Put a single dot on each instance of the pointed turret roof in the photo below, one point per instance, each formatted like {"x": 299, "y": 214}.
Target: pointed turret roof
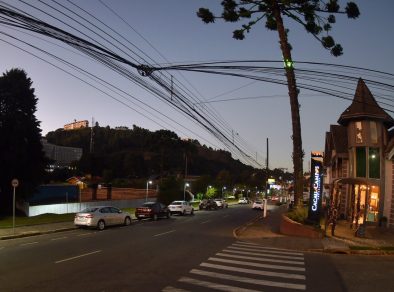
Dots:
{"x": 364, "y": 106}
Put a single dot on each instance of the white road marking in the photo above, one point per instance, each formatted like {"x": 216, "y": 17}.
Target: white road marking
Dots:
{"x": 215, "y": 286}
{"x": 257, "y": 265}
{"x": 241, "y": 244}
{"x": 29, "y": 243}
{"x": 164, "y": 233}
{"x": 267, "y": 251}
{"x": 254, "y": 272}
{"x": 76, "y": 257}
{"x": 172, "y": 289}
{"x": 85, "y": 234}
{"x": 248, "y": 280}
{"x": 259, "y": 259}
{"x": 59, "y": 238}
{"x": 264, "y": 254}
{"x": 205, "y": 222}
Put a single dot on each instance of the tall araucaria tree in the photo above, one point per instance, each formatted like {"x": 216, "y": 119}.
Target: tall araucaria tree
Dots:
{"x": 316, "y": 16}
{"x": 21, "y": 153}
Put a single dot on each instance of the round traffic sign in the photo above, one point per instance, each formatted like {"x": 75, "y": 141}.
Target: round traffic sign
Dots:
{"x": 15, "y": 183}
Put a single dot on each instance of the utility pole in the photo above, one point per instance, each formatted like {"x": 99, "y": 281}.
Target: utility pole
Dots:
{"x": 267, "y": 161}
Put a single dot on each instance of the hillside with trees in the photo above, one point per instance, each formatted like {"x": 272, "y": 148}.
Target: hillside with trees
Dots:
{"x": 129, "y": 157}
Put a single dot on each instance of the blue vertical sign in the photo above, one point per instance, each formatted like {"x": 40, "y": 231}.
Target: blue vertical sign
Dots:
{"x": 315, "y": 195}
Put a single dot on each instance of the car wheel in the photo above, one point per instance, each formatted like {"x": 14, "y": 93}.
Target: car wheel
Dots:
{"x": 183, "y": 213}
{"x": 139, "y": 218}
{"x": 101, "y": 225}
{"x": 168, "y": 215}
{"x": 154, "y": 217}
{"x": 192, "y": 212}
{"x": 127, "y": 221}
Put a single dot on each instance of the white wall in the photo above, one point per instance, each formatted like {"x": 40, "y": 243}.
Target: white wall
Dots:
{"x": 76, "y": 207}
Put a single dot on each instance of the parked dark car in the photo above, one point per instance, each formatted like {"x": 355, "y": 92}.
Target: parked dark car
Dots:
{"x": 208, "y": 204}
{"x": 152, "y": 210}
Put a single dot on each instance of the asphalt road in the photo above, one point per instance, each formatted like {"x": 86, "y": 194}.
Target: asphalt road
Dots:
{"x": 184, "y": 253}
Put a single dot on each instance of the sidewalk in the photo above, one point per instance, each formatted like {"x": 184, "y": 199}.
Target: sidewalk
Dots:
{"x": 265, "y": 231}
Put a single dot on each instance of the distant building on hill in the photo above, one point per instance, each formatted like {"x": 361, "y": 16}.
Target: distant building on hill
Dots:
{"x": 62, "y": 156}
{"x": 76, "y": 125}
{"x": 121, "y": 128}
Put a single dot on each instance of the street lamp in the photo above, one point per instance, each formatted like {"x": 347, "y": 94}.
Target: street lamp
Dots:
{"x": 149, "y": 182}
{"x": 223, "y": 188}
{"x": 208, "y": 187}
{"x": 184, "y": 191}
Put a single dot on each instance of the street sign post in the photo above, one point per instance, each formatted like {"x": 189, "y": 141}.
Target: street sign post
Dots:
{"x": 15, "y": 184}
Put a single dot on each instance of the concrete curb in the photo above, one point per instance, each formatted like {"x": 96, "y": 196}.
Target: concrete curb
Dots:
{"x": 237, "y": 231}
{"x": 35, "y": 233}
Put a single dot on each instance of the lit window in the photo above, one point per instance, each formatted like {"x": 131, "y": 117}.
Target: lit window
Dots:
{"x": 359, "y": 132}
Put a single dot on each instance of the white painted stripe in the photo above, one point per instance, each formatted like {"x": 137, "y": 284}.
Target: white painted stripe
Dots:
{"x": 173, "y": 289}
{"x": 85, "y": 234}
{"x": 76, "y": 257}
{"x": 264, "y": 247}
{"x": 59, "y": 238}
{"x": 267, "y": 251}
{"x": 261, "y": 254}
{"x": 164, "y": 233}
{"x": 205, "y": 222}
{"x": 257, "y": 265}
{"x": 258, "y": 259}
{"x": 248, "y": 243}
{"x": 254, "y": 272}
{"x": 249, "y": 280}
{"x": 215, "y": 286}
{"x": 29, "y": 243}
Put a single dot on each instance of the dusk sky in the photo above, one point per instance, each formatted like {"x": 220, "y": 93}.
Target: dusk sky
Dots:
{"x": 168, "y": 31}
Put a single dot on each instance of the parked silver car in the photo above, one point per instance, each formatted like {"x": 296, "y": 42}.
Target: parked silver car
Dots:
{"x": 101, "y": 216}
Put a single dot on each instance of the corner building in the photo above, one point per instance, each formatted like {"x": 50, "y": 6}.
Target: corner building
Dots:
{"x": 359, "y": 162}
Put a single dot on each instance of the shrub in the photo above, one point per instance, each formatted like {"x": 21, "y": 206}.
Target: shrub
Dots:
{"x": 299, "y": 214}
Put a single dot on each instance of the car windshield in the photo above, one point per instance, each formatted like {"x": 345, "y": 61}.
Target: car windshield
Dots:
{"x": 148, "y": 204}
{"x": 259, "y": 202}
{"x": 88, "y": 210}
{"x": 176, "y": 203}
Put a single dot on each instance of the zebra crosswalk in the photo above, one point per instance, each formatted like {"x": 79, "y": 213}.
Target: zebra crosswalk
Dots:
{"x": 246, "y": 267}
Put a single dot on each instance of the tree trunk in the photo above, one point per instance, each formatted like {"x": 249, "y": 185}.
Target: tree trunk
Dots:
{"x": 294, "y": 105}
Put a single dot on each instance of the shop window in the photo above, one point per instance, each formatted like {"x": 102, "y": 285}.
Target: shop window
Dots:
{"x": 373, "y": 207}
{"x": 373, "y": 132}
{"x": 361, "y": 162}
{"x": 359, "y": 132}
{"x": 374, "y": 163}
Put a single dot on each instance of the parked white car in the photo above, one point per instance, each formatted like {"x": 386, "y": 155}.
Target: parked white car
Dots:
{"x": 181, "y": 208}
{"x": 243, "y": 201}
{"x": 221, "y": 203}
{"x": 258, "y": 205}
